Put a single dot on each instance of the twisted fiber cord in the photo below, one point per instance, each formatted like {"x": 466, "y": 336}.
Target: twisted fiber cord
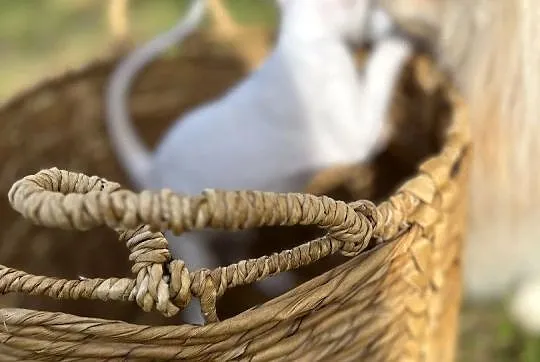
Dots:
{"x": 21, "y": 321}
{"x": 57, "y": 344}
{"x": 163, "y": 345}
{"x": 56, "y": 198}
{"x": 188, "y": 341}
{"x": 390, "y": 215}
{"x": 167, "y": 285}
{"x": 276, "y": 311}
{"x": 403, "y": 206}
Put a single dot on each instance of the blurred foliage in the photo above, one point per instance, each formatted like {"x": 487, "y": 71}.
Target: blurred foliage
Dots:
{"x": 488, "y": 335}
{"x": 42, "y": 37}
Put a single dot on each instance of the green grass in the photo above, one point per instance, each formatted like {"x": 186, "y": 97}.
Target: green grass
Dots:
{"x": 41, "y": 37}
{"x": 487, "y": 334}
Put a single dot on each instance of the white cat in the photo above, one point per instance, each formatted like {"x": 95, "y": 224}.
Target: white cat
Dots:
{"x": 303, "y": 110}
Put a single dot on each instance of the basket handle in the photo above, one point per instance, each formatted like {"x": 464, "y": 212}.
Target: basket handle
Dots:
{"x": 118, "y": 20}
{"x": 74, "y": 201}
{"x": 224, "y": 25}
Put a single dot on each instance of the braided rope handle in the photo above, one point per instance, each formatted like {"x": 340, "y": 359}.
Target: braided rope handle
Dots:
{"x": 74, "y": 201}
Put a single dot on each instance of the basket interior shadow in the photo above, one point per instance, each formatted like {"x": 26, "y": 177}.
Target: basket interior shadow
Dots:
{"x": 59, "y": 123}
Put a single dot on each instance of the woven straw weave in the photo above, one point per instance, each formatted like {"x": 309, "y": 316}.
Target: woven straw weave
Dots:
{"x": 395, "y": 297}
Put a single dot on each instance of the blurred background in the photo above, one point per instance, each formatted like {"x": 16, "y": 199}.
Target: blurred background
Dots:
{"x": 40, "y": 39}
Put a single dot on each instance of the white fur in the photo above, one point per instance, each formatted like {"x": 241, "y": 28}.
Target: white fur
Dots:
{"x": 303, "y": 110}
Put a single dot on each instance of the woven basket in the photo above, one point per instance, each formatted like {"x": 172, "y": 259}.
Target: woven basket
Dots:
{"x": 395, "y": 295}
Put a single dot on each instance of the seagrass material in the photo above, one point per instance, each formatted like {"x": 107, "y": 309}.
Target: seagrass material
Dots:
{"x": 393, "y": 296}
